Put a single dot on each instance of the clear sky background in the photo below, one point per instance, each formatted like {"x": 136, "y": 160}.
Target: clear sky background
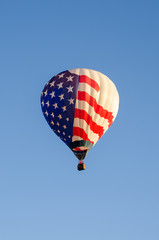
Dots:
{"x": 42, "y": 195}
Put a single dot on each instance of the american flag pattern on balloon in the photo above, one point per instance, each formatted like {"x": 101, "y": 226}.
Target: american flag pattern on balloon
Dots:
{"x": 80, "y": 105}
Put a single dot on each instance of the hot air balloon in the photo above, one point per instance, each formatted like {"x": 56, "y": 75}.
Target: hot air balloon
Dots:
{"x": 79, "y": 106}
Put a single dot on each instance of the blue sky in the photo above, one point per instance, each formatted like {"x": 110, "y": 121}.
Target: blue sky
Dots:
{"x": 42, "y": 195}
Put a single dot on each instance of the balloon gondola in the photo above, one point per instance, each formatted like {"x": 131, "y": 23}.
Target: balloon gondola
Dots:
{"x": 79, "y": 106}
{"x": 81, "y": 166}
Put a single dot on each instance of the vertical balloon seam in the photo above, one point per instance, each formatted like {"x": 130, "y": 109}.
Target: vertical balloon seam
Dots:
{"x": 107, "y": 80}
{"x": 96, "y": 116}
{"x": 77, "y": 102}
{"x": 87, "y": 73}
{"x": 111, "y": 110}
{"x": 94, "y": 94}
{"x": 109, "y": 106}
{"x": 104, "y": 82}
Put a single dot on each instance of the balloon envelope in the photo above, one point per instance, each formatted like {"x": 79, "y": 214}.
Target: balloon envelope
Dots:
{"x": 80, "y": 105}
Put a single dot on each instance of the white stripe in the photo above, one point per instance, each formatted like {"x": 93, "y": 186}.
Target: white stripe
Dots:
{"x": 81, "y": 123}
{"x": 76, "y": 138}
{"x": 86, "y": 107}
{"x": 84, "y": 87}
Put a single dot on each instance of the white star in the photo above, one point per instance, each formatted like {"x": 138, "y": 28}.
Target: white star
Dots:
{"x": 64, "y": 108}
{"x": 52, "y": 84}
{"x": 60, "y": 85}
{"x": 52, "y": 115}
{"x": 58, "y": 131}
{"x": 69, "y": 136}
{"x": 67, "y": 119}
{"x": 70, "y": 78}
{"x": 71, "y": 100}
{"x": 59, "y": 116}
{"x": 61, "y": 96}
{"x": 46, "y": 113}
{"x": 52, "y": 94}
{"x": 58, "y": 124}
{"x": 55, "y": 105}
{"x": 61, "y": 75}
{"x": 52, "y": 123}
{"x": 64, "y": 139}
{"x": 45, "y": 92}
{"x": 42, "y": 103}
{"x": 64, "y": 133}
{"x": 64, "y": 126}
{"x": 47, "y": 103}
{"x": 42, "y": 94}
{"x": 70, "y": 89}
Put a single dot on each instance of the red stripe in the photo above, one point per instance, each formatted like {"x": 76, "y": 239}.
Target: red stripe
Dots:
{"x": 85, "y": 116}
{"x": 79, "y": 149}
{"x": 83, "y": 96}
{"x": 81, "y": 133}
{"x": 89, "y": 81}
